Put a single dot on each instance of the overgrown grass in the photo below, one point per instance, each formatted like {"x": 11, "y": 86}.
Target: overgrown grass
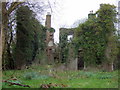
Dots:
{"x": 38, "y": 75}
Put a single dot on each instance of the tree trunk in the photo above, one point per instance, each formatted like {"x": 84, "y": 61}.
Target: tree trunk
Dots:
{"x": 4, "y": 31}
{"x": 0, "y": 46}
{"x": 10, "y": 62}
{"x": 111, "y": 51}
{"x": 0, "y": 57}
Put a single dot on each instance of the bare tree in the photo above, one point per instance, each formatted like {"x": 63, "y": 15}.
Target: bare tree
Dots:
{"x": 7, "y": 9}
{"x": 77, "y": 22}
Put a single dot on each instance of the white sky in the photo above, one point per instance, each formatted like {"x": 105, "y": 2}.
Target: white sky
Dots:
{"x": 69, "y": 11}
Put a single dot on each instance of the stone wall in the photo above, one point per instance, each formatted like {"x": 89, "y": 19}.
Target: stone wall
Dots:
{"x": 73, "y": 65}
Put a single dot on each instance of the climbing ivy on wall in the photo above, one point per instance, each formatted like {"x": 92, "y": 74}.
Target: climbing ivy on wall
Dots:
{"x": 66, "y": 48}
{"x": 94, "y": 36}
{"x": 90, "y": 39}
{"x": 63, "y": 47}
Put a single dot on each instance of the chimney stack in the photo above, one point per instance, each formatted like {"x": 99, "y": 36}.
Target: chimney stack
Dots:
{"x": 48, "y": 20}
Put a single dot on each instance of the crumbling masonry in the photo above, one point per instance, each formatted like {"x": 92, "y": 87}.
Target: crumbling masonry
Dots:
{"x": 49, "y": 40}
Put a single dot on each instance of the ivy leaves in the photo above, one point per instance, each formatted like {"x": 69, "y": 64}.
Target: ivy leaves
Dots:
{"x": 92, "y": 36}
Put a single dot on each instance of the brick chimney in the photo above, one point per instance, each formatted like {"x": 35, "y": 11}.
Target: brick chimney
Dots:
{"x": 49, "y": 40}
{"x": 48, "y": 20}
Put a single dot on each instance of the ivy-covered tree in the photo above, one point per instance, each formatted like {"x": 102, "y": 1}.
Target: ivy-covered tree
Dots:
{"x": 30, "y": 37}
{"x": 39, "y": 40}
{"x": 24, "y": 34}
{"x": 107, "y": 19}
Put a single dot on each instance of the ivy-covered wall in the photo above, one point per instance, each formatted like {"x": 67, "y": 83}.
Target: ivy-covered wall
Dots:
{"x": 66, "y": 50}
{"x": 97, "y": 38}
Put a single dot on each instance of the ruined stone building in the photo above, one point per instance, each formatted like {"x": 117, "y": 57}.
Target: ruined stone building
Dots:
{"x": 75, "y": 62}
{"x": 49, "y": 39}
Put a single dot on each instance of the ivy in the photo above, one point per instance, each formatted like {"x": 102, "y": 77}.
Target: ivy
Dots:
{"x": 30, "y": 37}
{"x": 51, "y": 29}
{"x": 94, "y": 35}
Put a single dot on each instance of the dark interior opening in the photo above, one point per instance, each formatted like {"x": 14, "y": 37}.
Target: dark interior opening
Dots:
{"x": 80, "y": 63}
{"x": 80, "y": 60}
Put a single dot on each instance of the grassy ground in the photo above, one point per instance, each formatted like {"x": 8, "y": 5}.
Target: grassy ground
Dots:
{"x": 38, "y": 75}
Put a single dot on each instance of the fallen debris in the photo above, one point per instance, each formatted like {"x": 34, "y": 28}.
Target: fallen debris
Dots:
{"x": 51, "y": 85}
{"x": 11, "y": 83}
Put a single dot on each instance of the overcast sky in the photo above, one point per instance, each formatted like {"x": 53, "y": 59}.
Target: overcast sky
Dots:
{"x": 69, "y": 11}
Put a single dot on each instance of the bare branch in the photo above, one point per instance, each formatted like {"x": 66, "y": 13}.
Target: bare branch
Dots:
{"x": 14, "y": 6}
{"x": 15, "y": 83}
{"x": 50, "y": 6}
